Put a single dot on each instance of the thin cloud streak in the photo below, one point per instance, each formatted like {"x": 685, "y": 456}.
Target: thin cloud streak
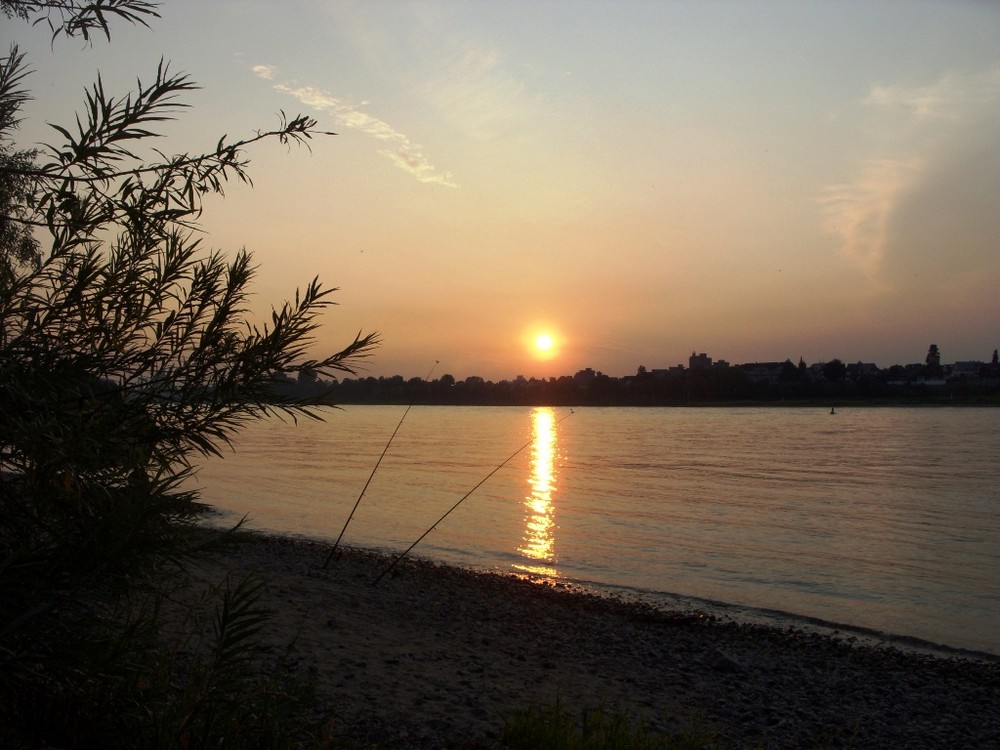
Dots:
{"x": 405, "y": 154}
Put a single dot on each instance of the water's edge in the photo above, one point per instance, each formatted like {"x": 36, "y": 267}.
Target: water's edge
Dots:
{"x": 874, "y": 518}
{"x": 666, "y": 601}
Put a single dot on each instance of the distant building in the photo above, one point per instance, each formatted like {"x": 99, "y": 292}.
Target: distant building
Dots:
{"x": 967, "y": 370}
{"x": 699, "y": 361}
{"x": 862, "y": 369}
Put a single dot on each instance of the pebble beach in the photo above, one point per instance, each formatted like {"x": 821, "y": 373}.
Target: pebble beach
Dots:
{"x": 437, "y": 657}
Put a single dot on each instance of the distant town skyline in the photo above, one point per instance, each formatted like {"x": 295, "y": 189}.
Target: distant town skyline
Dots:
{"x": 763, "y": 179}
{"x": 704, "y": 359}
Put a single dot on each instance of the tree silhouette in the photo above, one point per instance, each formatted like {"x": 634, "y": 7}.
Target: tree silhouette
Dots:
{"x": 834, "y": 371}
{"x": 932, "y": 366}
{"x": 126, "y": 352}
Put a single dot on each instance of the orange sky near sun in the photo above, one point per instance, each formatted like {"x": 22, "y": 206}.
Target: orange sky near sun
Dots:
{"x": 755, "y": 180}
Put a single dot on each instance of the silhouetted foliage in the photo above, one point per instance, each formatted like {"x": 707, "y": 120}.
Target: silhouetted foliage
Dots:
{"x": 18, "y": 245}
{"x": 932, "y": 363}
{"x": 126, "y": 352}
{"x": 701, "y": 386}
{"x": 834, "y": 371}
{"x": 790, "y": 373}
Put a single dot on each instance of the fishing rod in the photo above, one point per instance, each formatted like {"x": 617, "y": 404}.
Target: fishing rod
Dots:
{"x": 461, "y": 500}
{"x": 374, "y": 469}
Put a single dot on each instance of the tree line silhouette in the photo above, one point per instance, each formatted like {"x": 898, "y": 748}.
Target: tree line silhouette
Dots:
{"x": 785, "y": 382}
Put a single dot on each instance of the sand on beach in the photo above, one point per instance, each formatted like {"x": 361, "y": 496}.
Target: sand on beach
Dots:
{"x": 435, "y": 656}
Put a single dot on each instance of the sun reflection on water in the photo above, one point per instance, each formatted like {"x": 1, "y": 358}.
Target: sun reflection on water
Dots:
{"x": 538, "y": 542}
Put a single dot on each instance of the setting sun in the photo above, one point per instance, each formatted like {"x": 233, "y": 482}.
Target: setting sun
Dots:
{"x": 543, "y": 342}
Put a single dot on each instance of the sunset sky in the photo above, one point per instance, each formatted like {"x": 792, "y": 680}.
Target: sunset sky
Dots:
{"x": 754, "y": 180}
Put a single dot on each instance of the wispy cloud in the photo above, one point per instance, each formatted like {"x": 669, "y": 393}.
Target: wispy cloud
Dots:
{"x": 472, "y": 88}
{"x": 402, "y": 151}
{"x": 264, "y": 71}
{"x": 860, "y": 211}
{"x": 922, "y": 102}
{"x": 951, "y": 97}
{"x": 918, "y": 128}
{"x": 471, "y": 77}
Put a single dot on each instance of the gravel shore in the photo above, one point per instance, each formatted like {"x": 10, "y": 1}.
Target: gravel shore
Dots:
{"x": 435, "y": 657}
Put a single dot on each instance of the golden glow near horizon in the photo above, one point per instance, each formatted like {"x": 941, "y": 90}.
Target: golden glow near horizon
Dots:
{"x": 710, "y": 177}
{"x": 543, "y": 343}
{"x": 538, "y": 544}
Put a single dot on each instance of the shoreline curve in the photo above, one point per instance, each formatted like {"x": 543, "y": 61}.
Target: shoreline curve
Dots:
{"x": 437, "y": 656}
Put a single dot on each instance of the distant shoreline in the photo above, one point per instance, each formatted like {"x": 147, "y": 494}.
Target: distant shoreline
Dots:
{"x": 817, "y": 404}
{"x": 439, "y": 654}
{"x": 768, "y": 384}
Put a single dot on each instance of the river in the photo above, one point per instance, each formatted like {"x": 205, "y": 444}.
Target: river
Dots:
{"x": 885, "y": 519}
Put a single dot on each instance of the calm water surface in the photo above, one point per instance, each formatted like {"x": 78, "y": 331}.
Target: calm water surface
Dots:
{"x": 887, "y": 519}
